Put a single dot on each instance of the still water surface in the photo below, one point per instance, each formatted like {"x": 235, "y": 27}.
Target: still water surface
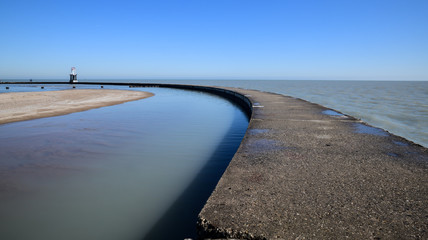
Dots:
{"x": 128, "y": 171}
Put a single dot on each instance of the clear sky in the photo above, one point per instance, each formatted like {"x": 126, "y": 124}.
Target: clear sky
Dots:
{"x": 215, "y": 39}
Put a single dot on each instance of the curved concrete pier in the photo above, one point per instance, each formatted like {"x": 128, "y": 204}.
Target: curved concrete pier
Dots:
{"x": 306, "y": 172}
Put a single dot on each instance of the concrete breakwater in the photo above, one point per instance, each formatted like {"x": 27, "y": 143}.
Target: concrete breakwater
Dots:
{"x": 304, "y": 171}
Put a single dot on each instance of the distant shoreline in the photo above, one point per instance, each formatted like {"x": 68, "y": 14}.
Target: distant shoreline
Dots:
{"x": 20, "y": 106}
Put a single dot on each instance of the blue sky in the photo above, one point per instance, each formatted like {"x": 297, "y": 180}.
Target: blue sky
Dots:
{"x": 215, "y": 39}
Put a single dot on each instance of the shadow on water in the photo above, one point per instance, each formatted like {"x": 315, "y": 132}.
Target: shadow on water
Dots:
{"x": 179, "y": 221}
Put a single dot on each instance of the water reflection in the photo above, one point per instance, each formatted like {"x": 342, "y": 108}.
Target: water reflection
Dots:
{"x": 114, "y": 172}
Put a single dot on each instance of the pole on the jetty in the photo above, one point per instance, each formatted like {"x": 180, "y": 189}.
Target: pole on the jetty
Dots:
{"x": 73, "y": 75}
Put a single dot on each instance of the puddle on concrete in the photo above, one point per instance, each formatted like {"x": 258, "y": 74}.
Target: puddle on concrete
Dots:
{"x": 257, "y": 131}
{"x": 361, "y": 128}
{"x": 400, "y": 143}
{"x": 263, "y": 145}
{"x": 332, "y": 113}
{"x": 392, "y": 154}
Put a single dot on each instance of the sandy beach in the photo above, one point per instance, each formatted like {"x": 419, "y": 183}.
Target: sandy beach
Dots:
{"x": 21, "y": 106}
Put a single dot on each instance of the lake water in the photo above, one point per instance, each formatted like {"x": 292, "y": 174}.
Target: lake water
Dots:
{"x": 138, "y": 170}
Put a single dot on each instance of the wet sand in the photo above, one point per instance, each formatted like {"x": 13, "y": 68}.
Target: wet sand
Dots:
{"x": 20, "y": 106}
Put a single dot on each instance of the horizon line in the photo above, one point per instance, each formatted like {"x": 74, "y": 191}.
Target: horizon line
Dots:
{"x": 210, "y": 79}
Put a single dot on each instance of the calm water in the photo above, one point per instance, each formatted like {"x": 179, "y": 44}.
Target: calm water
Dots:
{"x": 398, "y": 107}
{"x": 122, "y": 172}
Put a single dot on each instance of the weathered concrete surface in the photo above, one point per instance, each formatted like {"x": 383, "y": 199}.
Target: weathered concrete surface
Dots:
{"x": 302, "y": 174}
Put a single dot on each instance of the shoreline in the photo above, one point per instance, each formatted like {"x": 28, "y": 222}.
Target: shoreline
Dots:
{"x": 21, "y": 106}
